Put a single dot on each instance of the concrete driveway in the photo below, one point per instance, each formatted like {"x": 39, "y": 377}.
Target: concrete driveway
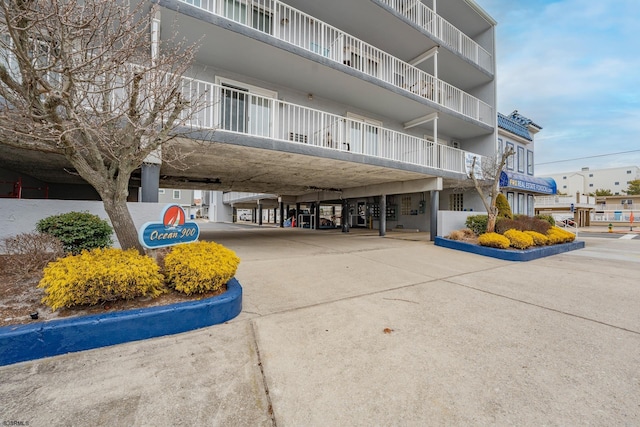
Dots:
{"x": 357, "y": 330}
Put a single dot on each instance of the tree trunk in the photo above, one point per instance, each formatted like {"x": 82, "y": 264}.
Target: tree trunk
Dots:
{"x": 122, "y": 222}
{"x": 491, "y": 222}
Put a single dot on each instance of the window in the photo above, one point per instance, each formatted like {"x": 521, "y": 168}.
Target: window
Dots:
{"x": 616, "y": 183}
{"x": 564, "y": 177}
{"x": 405, "y": 207}
{"x": 590, "y": 185}
{"x": 522, "y": 208}
{"x": 530, "y": 205}
{"x": 530, "y": 162}
{"x": 628, "y": 172}
{"x": 521, "y": 159}
{"x": 161, "y": 191}
{"x": 456, "y": 202}
{"x": 510, "y": 199}
{"x": 500, "y": 146}
{"x": 590, "y": 175}
{"x": 564, "y": 186}
{"x": 510, "y": 159}
{"x": 176, "y": 194}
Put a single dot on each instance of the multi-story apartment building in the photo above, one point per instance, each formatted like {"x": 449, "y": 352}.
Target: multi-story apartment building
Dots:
{"x": 587, "y": 181}
{"x": 372, "y": 106}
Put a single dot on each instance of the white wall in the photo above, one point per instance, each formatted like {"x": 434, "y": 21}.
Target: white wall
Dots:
{"x": 21, "y": 215}
{"x": 449, "y": 221}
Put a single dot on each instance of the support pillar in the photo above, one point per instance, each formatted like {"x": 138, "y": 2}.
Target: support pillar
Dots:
{"x": 259, "y": 213}
{"x": 150, "y": 182}
{"x": 435, "y": 207}
{"x": 317, "y": 216}
{"x": 281, "y": 214}
{"x": 297, "y": 213}
{"x": 345, "y": 216}
{"x": 383, "y": 215}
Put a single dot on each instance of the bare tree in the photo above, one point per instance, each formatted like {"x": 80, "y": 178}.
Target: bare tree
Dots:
{"x": 84, "y": 79}
{"x": 488, "y": 185}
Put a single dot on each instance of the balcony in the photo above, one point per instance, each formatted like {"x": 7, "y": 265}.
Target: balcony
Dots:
{"x": 292, "y": 26}
{"x": 230, "y": 110}
{"x": 423, "y": 17}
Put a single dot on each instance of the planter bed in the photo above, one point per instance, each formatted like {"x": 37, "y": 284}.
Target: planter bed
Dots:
{"x": 509, "y": 254}
{"x": 27, "y": 342}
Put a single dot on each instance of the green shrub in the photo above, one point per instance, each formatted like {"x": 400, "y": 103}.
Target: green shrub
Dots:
{"x": 502, "y": 204}
{"x": 548, "y": 218}
{"x": 494, "y": 240}
{"x": 519, "y": 239}
{"x": 199, "y": 267}
{"x": 477, "y": 223}
{"x": 538, "y": 239}
{"x": 77, "y": 231}
{"x": 100, "y": 275}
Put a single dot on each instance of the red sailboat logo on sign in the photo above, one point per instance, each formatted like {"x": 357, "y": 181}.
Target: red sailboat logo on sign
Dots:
{"x": 173, "y": 217}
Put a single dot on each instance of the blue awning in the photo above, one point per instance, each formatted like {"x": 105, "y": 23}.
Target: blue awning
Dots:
{"x": 527, "y": 183}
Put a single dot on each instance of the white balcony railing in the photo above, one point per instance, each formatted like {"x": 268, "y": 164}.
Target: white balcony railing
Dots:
{"x": 293, "y": 26}
{"x": 425, "y": 18}
{"x": 232, "y": 110}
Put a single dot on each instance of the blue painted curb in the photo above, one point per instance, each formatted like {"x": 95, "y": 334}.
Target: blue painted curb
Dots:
{"x": 27, "y": 342}
{"x": 509, "y": 254}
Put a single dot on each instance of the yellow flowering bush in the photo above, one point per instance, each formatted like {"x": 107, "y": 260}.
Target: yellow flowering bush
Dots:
{"x": 557, "y": 235}
{"x": 494, "y": 240}
{"x": 519, "y": 239}
{"x": 539, "y": 239}
{"x": 100, "y": 275}
{"x": 199, "y": 267}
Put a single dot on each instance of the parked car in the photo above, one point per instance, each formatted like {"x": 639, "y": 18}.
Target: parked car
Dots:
{"x": 567, "y": 222}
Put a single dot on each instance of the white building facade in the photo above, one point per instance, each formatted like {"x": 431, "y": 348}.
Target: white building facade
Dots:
{"x": 365, "y": 110}
{"x": 586, "y": 181}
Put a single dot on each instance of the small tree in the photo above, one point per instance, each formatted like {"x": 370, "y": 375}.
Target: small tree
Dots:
{"x": 634, "y": 187}
{"x": 489, "y": 182}
{"x": 83, "y": 78}
{"x": 603, "y": 192}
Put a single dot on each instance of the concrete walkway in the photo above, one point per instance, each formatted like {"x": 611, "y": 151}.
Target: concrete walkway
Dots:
{"x": 357, "y": 330}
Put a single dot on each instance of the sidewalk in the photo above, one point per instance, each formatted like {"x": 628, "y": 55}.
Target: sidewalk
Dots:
{"x": 352, "y": 329}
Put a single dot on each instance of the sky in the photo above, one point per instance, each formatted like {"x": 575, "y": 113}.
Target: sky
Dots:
{"x": 573, "y": 67}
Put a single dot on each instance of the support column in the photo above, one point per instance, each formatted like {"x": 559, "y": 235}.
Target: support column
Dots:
{"x": 345, "y": 216}
{"x": 435, "y": 207}
{"x": 281, "y": 214}
{"x": 297, "y": 213}
{"x": 150, "y": 182}
{"x": 317, "y": 215}
{"x": 383, "y": 215}
{"x": 259, "y": 213}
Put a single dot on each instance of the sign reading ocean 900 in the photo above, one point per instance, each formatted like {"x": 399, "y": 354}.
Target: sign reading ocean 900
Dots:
{"x": 173, "y": 229}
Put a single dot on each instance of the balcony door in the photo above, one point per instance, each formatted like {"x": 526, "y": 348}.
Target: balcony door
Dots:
{"x": 260, "y": 16}
{"x": 363, "y": 134}
{"x": 246, "y": 109}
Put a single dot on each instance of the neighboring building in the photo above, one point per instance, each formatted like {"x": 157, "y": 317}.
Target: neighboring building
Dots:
{"x": 617, "y": 210}
{"x": 182, "y": 197}
{"x": 312, "y": 103}
{"x": 518, "y": 181}
{"x": 587, "y": 181}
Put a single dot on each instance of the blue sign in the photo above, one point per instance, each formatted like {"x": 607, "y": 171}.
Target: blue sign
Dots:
{"x": 527, "y": 183}
{"x": 173, "y": 229}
